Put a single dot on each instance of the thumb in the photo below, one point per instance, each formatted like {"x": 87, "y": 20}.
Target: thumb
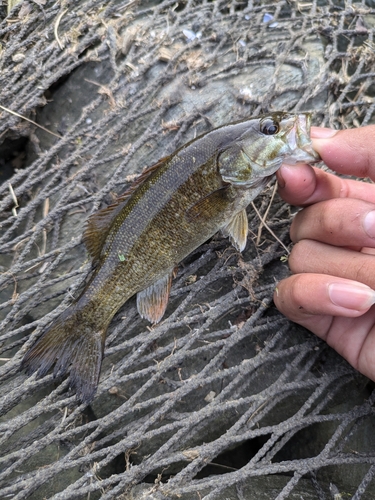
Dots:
{"x": 348, "y": 151}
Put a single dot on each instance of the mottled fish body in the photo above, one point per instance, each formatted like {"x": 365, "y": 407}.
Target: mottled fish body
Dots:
{"x": 175, "y": 206}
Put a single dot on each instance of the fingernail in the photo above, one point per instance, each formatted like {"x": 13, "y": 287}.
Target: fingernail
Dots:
{"x": 284, "y": 173}
{"x": 355, "y": 296}
{"x": 369, "y": 224}
{"x": 322, "y": 132}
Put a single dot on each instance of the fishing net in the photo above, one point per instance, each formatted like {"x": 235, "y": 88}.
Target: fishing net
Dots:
{"x": 224, "y": 398}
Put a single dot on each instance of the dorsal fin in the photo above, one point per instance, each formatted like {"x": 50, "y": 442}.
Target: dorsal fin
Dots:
{"x": 99, "y": 224}
{"x": 144, "y": 175}
{"x": 97, "y": 228}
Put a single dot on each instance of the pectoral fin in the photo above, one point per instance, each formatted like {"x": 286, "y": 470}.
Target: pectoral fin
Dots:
{"x": 237, "y": 230}
{"x": 210, "y": 205}
{"x": 152, "y": 301}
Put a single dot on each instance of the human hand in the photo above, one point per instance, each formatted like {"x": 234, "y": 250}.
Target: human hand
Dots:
{"x": 331, "y": 292}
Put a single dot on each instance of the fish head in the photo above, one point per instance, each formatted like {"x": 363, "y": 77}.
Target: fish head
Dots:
{"x": 269, "y": 141}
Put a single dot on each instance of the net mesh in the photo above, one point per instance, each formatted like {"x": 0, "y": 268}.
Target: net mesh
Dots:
{"x": 225, "y": 398}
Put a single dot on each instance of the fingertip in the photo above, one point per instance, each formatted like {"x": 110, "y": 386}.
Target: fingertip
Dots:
{"x": 296, "y": 183}
{"x": 321, "y": 294}
{"x": 312, "y": 300}
{"x": 326, "y": 149}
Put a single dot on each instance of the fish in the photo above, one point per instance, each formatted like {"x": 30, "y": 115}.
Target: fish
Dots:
{"x": 174, "y": 206}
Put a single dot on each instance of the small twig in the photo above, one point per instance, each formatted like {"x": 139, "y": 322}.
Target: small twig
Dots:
{"x": 44, "y": 246}
{"x": 104, "y": 90}
{"x": 258, "y": 410}
{"x": 268, "y": 228}
{"x": 31, "y": 121}
{"x": 265, "y": 215}
{"x": 15, "y": 201}
{"x": 11, "y": 4}
{"x": 226, "y": 467}
{"x": 45, "y": 213}
{"x": 65, "y": 414}
{"x": 56, "y": 27}
{"x": 15, "y": 295}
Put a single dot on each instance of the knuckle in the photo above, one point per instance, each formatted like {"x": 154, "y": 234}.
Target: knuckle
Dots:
{"x": 330, "y": 217}
{"x": 297, "y": 291}
{"x": 297, "y": 258}
{"x": 362, "y": 151}
{"x": 364, "y": 270}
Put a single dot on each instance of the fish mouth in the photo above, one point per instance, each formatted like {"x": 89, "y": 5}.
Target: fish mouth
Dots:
{"x": 259, "y": 182}
{"x": 299, "y": 141}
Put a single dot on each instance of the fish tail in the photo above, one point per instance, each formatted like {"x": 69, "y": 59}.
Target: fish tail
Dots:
{"x": 72, "y": 347}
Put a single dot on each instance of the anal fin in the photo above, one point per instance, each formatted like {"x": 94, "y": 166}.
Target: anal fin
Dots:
{"x": 237, "y": 230}
{"x": 152, "y": 301}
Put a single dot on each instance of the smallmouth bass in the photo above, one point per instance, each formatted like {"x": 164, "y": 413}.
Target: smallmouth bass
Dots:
{"x": 174, "y": 206}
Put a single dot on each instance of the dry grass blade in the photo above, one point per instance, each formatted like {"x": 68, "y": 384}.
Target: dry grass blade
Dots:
{"x": 30, "y": 121}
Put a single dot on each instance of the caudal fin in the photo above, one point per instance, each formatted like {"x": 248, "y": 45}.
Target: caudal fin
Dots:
{"x": 72, "y": 347}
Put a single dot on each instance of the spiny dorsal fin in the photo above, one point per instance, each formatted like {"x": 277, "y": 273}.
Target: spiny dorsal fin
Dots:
{"x": 152, "y": 301}
{"x": 144, "y": 175}
{"x": 97, "y": 229}
{"x": 237, "y": 230}
{"x": 99, "y": 224}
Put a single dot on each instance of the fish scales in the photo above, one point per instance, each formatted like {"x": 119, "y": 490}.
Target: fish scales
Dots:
{"x": 152, "y": 233}
{"x": 181, "y": 202}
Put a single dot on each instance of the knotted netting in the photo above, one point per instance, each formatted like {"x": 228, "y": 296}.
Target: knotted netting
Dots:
{"x": 224, "y": 398}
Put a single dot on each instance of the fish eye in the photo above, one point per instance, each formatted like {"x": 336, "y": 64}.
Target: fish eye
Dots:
{"x": 269, "y": 127}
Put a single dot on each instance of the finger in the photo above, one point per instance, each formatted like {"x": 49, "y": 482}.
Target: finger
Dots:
{"x": 309, "y": 256}
{"x": 338, "y": 221}
{"x": 354, "y": 339}
{"x": 309, "y": 300}
{"x": 312, "y": 300}
{"x": 303, "y": 185}
{"x": 347, "y": 151}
